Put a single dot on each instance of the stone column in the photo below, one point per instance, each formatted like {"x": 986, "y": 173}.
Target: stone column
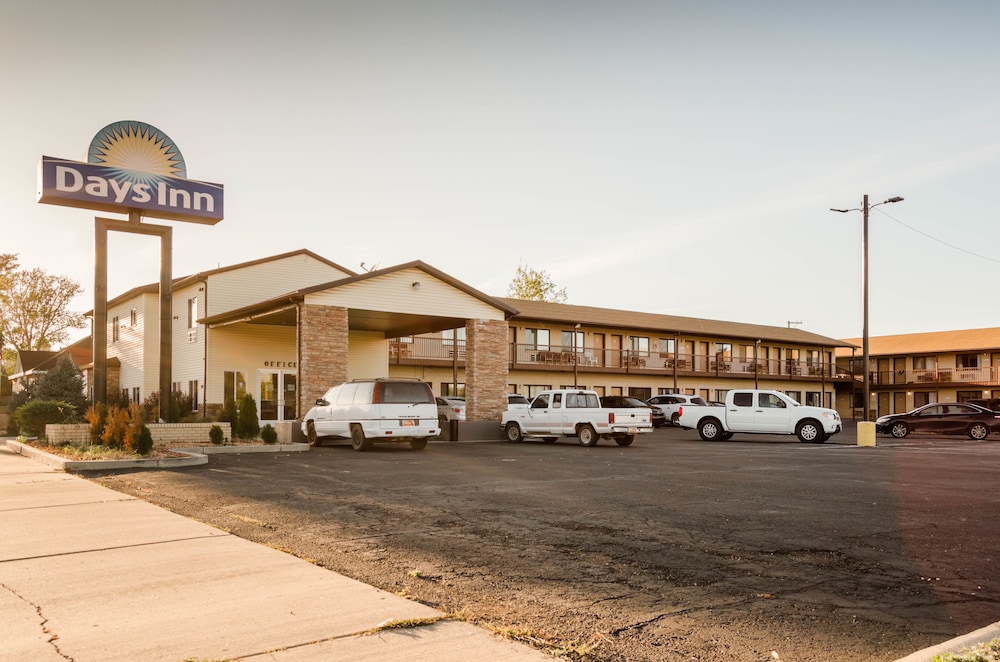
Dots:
{"x": 323, "y": 345}
{"x": 486, "y": 363}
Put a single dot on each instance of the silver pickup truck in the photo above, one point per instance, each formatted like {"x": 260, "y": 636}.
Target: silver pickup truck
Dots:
{"x": 575, "y": 413}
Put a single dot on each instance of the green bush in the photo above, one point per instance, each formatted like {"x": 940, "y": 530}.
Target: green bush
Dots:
{"x": 144, "y": 442}
{"x": 63, "y": 383}
{"x": 269, "y": 434}
{"x": 215, "y": 435}
{"x": 247, "y": 425}
{"x": 33, "y": 416}
{"x": 228, "y": 413}
{"x": 181, "y": 407}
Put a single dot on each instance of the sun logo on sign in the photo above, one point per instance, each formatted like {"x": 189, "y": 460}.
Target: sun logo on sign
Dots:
{"x": 136, "y": 152}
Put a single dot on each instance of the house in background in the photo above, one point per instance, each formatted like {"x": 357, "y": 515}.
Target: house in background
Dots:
{"x": 30, "y": 365}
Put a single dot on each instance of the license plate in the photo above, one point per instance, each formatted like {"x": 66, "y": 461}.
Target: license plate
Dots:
{"x": 407, "y": 422}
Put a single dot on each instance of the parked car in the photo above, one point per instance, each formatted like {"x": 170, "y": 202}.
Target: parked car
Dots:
{"x": 659, "y": 418}
{"x": 671, "y": 403}
{"x": 450, "y": 409}
{"x": 942, "y": 418}
{"x": 374, "y": 410}
{"x": 517, "y": 401}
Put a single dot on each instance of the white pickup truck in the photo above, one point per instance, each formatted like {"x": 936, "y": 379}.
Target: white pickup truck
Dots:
{"x": 760, "y": 412}
{"x": 575, "y": 413}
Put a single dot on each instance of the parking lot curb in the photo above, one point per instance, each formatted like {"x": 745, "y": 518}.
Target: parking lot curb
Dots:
{"x": 956, "y": 645}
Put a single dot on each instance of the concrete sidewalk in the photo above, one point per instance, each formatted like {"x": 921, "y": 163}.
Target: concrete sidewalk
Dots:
{"x": 87, "y": 573}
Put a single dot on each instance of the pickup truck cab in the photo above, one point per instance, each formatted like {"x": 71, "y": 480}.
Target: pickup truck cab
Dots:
{"x": 575, "y": 413}
{"x": 760, "y": 412}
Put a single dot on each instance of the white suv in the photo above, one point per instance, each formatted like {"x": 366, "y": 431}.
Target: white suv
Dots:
{"x": 671, "y": 403}
{"x": 374, "y": 410}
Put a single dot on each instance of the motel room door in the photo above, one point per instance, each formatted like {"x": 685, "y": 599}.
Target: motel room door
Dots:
{"x": 277, "y": 395}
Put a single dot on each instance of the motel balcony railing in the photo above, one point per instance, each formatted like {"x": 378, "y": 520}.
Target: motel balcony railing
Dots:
{"x": 980, "y": 376}
{"x": 438, "y": 352}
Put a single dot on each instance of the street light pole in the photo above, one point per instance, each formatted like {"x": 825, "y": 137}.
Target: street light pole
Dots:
{"x": 864, "y": 209}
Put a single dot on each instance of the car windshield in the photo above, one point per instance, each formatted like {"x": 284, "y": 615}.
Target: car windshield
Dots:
{"x": 699, "y": 401}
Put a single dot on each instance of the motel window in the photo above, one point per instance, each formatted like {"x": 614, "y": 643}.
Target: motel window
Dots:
{"x": 813, "y": 399}
{"x": 812, "y": 356}
{"x": 449, "y": 390}
{"x": 924, "y": 362}
{"x": 642, "y": 392}
{"x": 193, "y": 393}
{"x": 567, "y": 340}
{"x": 639, "y": 344}
{"x": 537, "y": 338}
{"x": 920, "y": 398}
{"x": 967, "y": 360}
{"x": 135, "y": 394}
{"x": 192, "y": 313}
{"x": 234, "y": 385}
{"x": 133, "y": 317}
{"x": 666, "y": 347}
{"x": 114, "y": 329}
{"x": 599, "y": 390}
{"x": 724, "y": 350}
{"x": 535, "y": 389}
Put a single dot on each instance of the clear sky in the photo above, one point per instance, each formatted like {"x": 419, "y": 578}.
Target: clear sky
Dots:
{"x": 664, "y": 156}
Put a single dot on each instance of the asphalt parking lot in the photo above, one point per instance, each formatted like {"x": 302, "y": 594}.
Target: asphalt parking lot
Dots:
{"x": 673, "y": 548}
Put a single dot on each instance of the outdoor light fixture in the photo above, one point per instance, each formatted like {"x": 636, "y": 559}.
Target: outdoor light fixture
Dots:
{"x": 864, "y": 209}
{"x": 415, "y": 285}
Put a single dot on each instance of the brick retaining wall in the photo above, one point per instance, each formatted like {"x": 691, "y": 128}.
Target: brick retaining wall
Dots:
{"x": 167, "y": 434}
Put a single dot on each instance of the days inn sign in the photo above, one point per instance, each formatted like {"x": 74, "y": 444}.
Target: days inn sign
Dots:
{"x": 131, "y": 165}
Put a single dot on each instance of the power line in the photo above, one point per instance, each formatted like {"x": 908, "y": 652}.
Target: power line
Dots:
{"x": 940, "y": 241}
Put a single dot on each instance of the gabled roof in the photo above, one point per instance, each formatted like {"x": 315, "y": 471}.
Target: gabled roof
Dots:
{"x": 297, "y": 296}
{"x": 29, "y": 360}
{"x": 968, "y": 340}
{"x": 560, "y": 313}
{"x": 153, "y": 288}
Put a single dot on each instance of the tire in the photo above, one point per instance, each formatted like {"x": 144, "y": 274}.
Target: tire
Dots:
{"x": 710, "y": 429}
{"x": 587, "y": 436}
{"x": 513, "y": 433}
{"x": 418, "y": 444}
{"x": 442, "y": 420}
{"x": 978, "y": 431}
{"x": 899, "y": 429}
{"x": 809, "y": 432}
{"x": 726, "y": 435}
{"x": 674, "y": 417}
{"x": 311, "y": 434}
{"x": 358, "y": 439}
{"x": 626, "y": 440}
{"x": 825, "y": 438}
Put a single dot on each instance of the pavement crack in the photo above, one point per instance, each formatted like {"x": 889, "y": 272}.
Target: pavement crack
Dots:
{"x": 51, "y": 637}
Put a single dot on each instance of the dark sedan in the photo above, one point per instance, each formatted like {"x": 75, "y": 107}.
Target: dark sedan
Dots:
{"x": 659, "y": 418}
{"x": 942, "y": 418}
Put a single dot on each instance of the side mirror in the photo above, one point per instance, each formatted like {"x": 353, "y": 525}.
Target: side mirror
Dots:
{"x": 321, "y": 402}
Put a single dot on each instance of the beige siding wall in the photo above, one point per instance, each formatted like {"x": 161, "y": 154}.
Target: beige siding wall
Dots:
{"x": 369, "y": 356}
{"x": 137, "y": 347}
{"x": 395, "y": 292}
{"x": 247, "y": 348}
{"x": 188, "y": 343}
{"x": 241, "y": 287}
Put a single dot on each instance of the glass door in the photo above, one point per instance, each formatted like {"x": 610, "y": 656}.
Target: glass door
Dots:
{"x": 277, "y": 393}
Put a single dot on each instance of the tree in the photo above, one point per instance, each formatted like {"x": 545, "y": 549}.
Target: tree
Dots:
{"x": 535, "y": 285}
{"x": 34, "y": 311}
{"x": 62, "y": 383}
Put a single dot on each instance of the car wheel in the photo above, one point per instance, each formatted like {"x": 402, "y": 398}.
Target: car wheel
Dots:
{"x": 710, "y": 429}
{"x": 358, "y": 439}
{"x": 978, "y": 431}
{"x": 587, "y": 436}
{"x": 674, "y": 418}
{"x": 311, "y": 434}
{"x": 899, "y": 429}
{"x": 809, "y": 432}
{"x": 418, "y": 444}
{"x": 626, "y": 440}
{"x": 726, "y": 435}
{"x": 513, "y": 432}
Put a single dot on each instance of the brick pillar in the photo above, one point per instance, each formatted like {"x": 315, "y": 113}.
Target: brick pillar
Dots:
{"x": 486, "y": 363}
{"x": 323, "y": 336}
